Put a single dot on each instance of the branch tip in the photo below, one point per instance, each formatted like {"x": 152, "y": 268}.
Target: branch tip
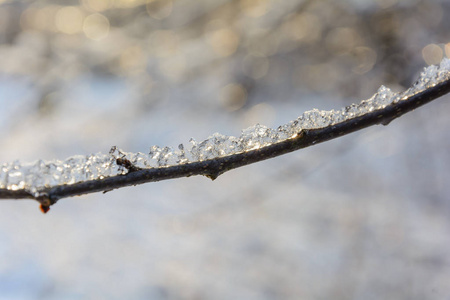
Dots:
{"x": 44, "y": 208}
{"x": 45, "y": 202}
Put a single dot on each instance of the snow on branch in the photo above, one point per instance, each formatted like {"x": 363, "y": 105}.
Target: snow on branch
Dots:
{"x": 49, "y": 181}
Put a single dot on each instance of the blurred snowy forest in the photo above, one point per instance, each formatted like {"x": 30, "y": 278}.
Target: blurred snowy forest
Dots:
{"x": 363, "y": 217}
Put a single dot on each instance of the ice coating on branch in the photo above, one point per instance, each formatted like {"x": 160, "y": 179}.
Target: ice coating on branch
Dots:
{"x": 38, "y": 175}
{"x": 429, "y": 77}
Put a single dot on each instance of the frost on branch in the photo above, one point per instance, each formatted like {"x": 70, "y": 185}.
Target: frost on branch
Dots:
{"x": 35, "y": 177}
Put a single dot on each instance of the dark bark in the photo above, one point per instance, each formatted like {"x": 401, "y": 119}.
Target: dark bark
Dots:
{"x": 215, "y": 167}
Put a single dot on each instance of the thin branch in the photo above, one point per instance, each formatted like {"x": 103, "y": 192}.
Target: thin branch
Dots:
{"x": 212, "y": 168}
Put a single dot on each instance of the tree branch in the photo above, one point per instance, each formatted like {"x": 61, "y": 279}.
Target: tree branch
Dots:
{"x": 212, "y": 168}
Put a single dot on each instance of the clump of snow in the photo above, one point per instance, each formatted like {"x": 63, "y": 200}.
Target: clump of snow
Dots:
{"x": 42, "y": 174}
{"x": 429, "y": 77}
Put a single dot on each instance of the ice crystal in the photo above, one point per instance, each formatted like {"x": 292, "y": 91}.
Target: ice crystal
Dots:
{"x": 255, "y": 137}
{"x": 429, "y": 77}
{"x": 40, "y": 174}
{"x": 43, "y": 174}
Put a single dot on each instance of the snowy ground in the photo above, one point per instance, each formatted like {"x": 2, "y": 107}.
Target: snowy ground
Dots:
{"x": 365, "y": 216}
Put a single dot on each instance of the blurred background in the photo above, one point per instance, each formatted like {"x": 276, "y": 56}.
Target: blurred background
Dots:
{"x": 366, "y": 216}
